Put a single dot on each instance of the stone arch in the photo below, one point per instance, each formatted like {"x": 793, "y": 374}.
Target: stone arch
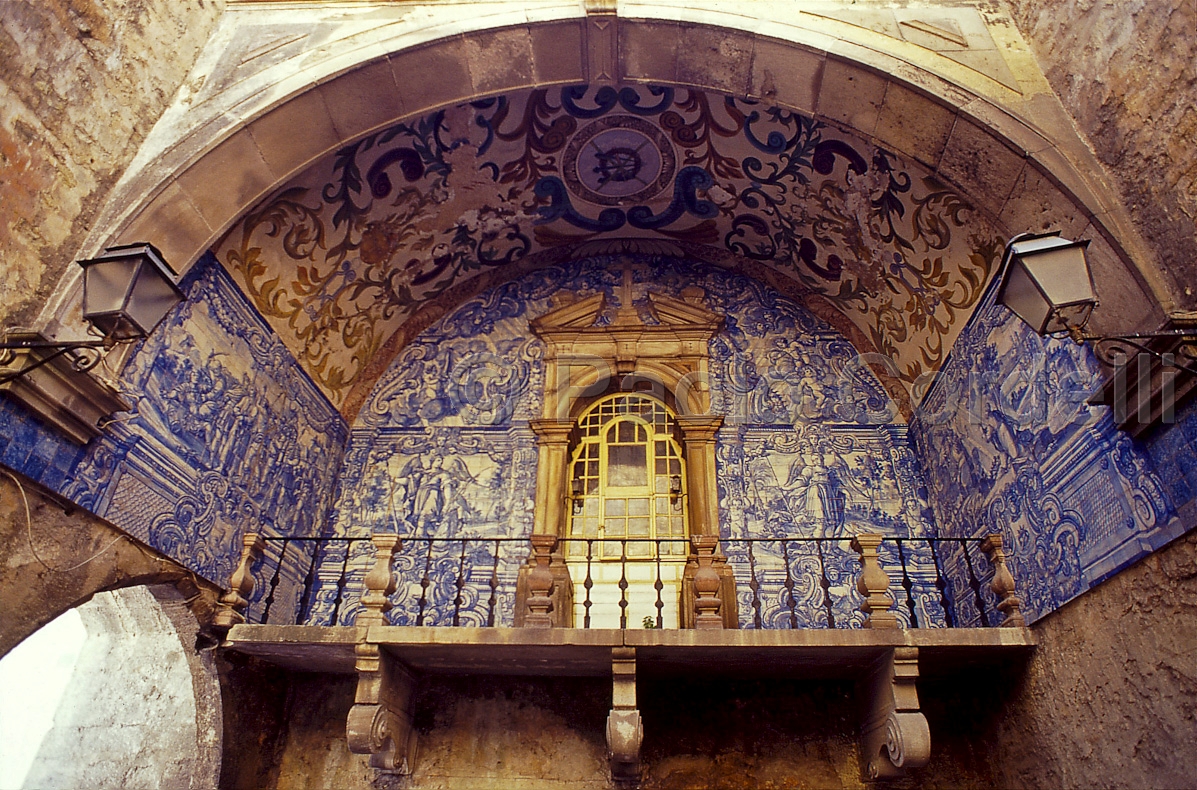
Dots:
{"x": 57, "y": 556}
{"x": 228, "y": 142}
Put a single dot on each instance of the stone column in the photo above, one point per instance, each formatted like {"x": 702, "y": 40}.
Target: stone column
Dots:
{"x": 1009, "y": 604}
{"x": 698, "y": 445}
{"x": 873, "y": 583}
{"x": 552, "y": 468}
{"x": 230, "y": 610}
{"x": 379, "y": 582}
{"x": 549, "y": 518}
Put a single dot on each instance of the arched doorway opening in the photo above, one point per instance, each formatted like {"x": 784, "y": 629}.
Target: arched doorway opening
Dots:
{"x": 111, "y": 694}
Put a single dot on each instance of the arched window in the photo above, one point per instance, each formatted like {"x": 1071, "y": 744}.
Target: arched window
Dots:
{"x": 627, "y": 519}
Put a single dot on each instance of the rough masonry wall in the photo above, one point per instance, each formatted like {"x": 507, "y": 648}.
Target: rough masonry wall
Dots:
{"x": 81, "y": 84}
{"x": 140, "y": 710}
{"x": 510, "y": 733}
{"x": 1108, "y": 699}
{"x": 55, "y": 556}
{"x": 1128, "y": 73}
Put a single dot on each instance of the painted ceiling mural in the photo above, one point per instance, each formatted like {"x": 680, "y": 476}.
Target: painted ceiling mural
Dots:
{"x": 367, "y": 248}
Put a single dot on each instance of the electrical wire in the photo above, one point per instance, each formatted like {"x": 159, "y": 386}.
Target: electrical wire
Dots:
{"x": 29, "y": 535}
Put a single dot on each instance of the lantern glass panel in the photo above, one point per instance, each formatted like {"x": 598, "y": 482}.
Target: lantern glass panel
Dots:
{"x": 1062, "y": 274}
{"x": 1025, "y": 299}
{"x": 151, "y": 299}
{"x": 106, "y": 285}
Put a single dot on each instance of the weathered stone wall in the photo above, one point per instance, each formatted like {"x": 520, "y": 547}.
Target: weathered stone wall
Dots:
{"x": 81, "y": 84}
{"x": 55, "y": 556}
{"x": 700, "y": 732}
{"x": 1128, "y": 73}
{"x": 1110, "y": 698}
{"x": 141, "y": 709}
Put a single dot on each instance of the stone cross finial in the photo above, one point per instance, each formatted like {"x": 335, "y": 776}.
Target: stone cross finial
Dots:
{"x": 1002, "y": 585}
{"x": 627, "y": 314}
{"x": 873, "y": 583}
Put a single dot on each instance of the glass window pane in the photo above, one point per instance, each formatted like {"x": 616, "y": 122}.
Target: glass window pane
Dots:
{"x": 627, "y": 465}
{"x": 627, "y": 432}
{"x": 638, "y": 507}
{"x": 616, "y": 507}
{"x": 638, "y": 527}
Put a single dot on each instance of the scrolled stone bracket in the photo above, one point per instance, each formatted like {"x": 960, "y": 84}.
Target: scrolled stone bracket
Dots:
{"x": 894, "y": 734}
{"x": 625, "y": 730}
{"x": 380, "y": 722}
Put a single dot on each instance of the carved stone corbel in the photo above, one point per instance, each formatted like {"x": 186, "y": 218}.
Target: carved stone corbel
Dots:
{"x": 230, "y": 609}
{"x": 894, "y": 734}
{"x": 380, "y": 720}
{"x": 625, "y": 730}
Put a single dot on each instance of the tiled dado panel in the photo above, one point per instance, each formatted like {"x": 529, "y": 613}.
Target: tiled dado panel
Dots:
{"x": 1173, "y": 447}
{"x": 1008, "y": 444}
{"x": 227, "y": 435}
{"x": 442, "y": 449}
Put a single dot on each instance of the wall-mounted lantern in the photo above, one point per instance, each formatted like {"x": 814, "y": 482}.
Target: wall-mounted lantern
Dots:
{"x": 1046, "y": 281}
{"x": 127, "y": 291}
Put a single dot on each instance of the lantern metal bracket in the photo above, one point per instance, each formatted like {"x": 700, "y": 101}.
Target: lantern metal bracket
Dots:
{"x": 83, "y": 354}
{"x": 1154, "y": 373}
{"x": 1115, "y": 350}
{"x": 50, "y": 378}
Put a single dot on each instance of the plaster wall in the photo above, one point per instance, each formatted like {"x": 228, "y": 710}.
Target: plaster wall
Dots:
{"x": 1128, "y": 74}
{"x": 1108, "y": 699}
{"x": 139, "y": 711}
{"x": 82, "y": 82}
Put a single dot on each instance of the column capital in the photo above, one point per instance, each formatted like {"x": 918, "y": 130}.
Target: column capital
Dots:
{"x": 699, "y": 427}
{"x": 550, "y": 431}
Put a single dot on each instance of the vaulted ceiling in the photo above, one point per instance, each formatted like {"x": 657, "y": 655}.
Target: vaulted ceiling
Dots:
{"x": 365, "y": 248}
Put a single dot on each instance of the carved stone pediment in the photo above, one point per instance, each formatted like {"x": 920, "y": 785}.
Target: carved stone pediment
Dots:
{"x": 663, "y": 340}
{"x": 572, "y": 317}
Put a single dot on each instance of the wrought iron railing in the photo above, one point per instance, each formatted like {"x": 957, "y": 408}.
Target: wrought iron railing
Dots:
{"x": 771, "y": 582}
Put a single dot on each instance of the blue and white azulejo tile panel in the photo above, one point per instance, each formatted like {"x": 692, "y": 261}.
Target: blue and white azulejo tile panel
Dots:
{"x": 227, "y": 435}
{"x": 1010, "y": 446}
{"x": 810, "y": 448}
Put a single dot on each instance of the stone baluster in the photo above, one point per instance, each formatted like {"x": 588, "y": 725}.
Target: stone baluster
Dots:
{"x": 873, "y": 583}
{"x": 230, "y": 609}
{"x": 706, "y": 583}
{"x": 1009, "y": 604}
{"x": 379, "y": 582}
{"x": 540, "y": 583}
